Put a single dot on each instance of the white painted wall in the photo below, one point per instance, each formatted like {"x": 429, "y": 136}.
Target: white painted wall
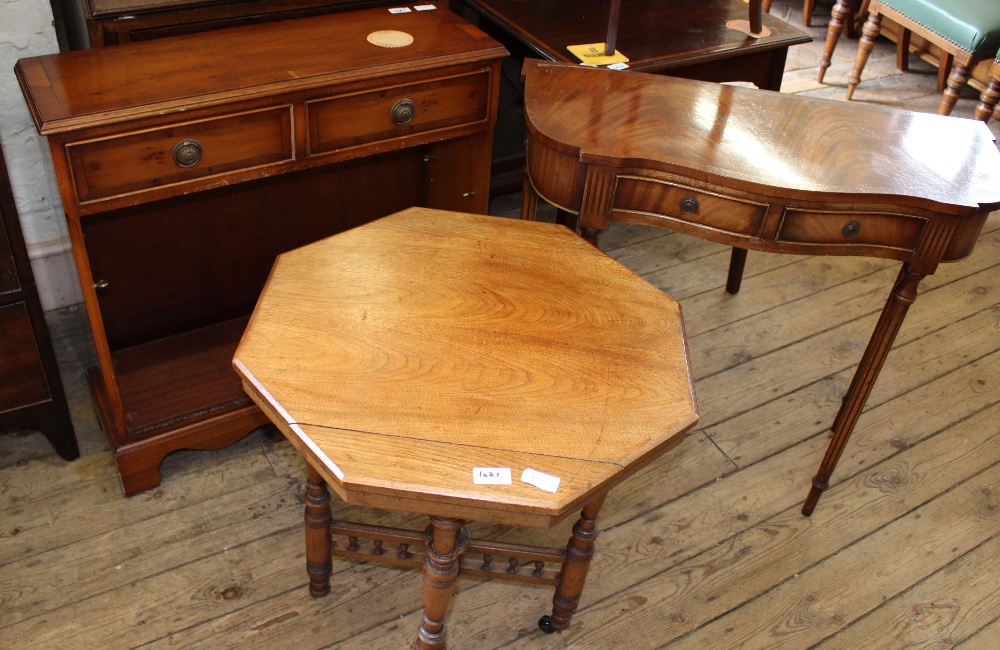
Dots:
{"x": 26, "y": 29}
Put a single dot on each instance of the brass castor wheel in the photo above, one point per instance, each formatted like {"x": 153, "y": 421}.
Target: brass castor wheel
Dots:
{"x": 545, "y": 624}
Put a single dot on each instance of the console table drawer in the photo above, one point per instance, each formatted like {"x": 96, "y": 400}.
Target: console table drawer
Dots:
{"x": 338, "y": 123}
{"x": 890, "y": 232}
{"x": 686, "y": 204}
{"x": 143, "y": 160}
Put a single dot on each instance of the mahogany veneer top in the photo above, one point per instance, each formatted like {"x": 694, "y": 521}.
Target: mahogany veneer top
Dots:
{"x": 403, "y": 353}
{"x": 763, "y": 141}
{"x": 90, "y": 87}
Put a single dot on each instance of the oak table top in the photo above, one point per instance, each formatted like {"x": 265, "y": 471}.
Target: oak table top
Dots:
{"x": 402, "y": 354}
{"x": 411, "y": 357}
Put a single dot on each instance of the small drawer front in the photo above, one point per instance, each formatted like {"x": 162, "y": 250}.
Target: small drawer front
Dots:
{"x": 338, "y": 123}
{"x": 144, "y": 160}
{"x": 891, "y": 232}
{"x": 689, "y": 205}
{"x": 22, "y": 376}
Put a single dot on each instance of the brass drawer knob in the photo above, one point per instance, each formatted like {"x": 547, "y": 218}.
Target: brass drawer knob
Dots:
{"x": 851, "y": 228}
{"x": 689, "y": 205}
{"x": 187, "y": 153}
{"x": 403, "y": 111}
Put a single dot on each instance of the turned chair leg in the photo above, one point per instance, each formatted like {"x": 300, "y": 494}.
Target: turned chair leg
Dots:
{"x": 833, "y": 32}
{"x": 871, "y": 30}
{"x": 579, "y": 551}
{"x": 990, "y": 97}
{"x": 807, "y": 11}
{"x": 956, "y": 82}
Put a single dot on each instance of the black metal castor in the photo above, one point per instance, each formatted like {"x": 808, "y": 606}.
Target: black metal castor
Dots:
{"x": 545, "y": 624}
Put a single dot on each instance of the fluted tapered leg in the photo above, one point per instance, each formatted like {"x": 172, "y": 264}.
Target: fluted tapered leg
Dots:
{"x": 904, "y": 292}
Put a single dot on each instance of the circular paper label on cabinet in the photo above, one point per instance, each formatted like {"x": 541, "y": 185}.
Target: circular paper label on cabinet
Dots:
{"x": 390, "y": 38}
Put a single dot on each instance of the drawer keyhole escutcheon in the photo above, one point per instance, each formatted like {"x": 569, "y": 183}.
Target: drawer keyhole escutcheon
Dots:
{"x": 689, "y": 205}
{"x": 851, "y": 228}
{"x": 403, "y": 111}
{"x": 187, "y": 153}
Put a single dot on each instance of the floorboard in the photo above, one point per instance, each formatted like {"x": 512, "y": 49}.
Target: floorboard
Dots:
{"x": 705, "y": 548}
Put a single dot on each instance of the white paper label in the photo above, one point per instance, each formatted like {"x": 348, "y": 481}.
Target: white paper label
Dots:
{"x": 399, "y": 10}
{"x": 491, "y": 475}
{"x": 542, "y": 481}
{"x": 424, "y": 7}
{"x": 618, "y": 66}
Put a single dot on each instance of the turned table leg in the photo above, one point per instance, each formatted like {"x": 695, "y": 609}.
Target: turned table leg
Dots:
{"x": 440, "y": 573}
{"x": 904, "y": 292}
{"x": 737, "y": 262}
{"x": 579, "y": 551}
{"x": 318, "y": 520}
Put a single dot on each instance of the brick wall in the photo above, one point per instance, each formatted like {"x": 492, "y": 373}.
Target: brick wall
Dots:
{"x": 26, "y": 29}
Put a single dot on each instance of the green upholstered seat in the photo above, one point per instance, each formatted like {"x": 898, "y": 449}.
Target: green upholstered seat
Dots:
{"x": 973, "y": 25}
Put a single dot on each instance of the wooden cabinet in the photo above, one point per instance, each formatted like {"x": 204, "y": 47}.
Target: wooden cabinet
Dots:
{"x": 187, "y": 164}
{"x": 31, "y": 392}
{"x": 112, "y": 22}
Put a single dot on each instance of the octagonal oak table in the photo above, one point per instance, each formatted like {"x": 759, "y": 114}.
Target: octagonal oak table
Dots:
{"x": 415, "y": 357}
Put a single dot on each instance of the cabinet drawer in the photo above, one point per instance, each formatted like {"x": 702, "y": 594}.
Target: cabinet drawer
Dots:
{"x": 143, "y": 160}
{"x": 337, "y": 123}
{"x": 889, "y": 232}
{"x": 690, "y": 205}
{"x": 22, "y": 377}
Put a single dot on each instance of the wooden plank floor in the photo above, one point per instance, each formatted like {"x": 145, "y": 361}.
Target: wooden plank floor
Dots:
{"x": 704, "y": 549}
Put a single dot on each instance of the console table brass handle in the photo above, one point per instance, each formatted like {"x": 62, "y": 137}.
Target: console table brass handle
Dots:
{"x": 403, "y": 111}
{"x": 689, "y": 205}
{"x": 187, "y": 153}
{"x": 851, "y": 228}
{"x": 100, "y": 284}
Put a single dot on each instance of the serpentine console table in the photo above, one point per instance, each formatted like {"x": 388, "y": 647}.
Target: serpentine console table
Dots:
{"x": 763, "y": 171}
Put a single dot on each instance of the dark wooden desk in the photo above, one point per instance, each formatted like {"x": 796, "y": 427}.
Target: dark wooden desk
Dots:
{"x": 186, "y": 164}
{"x": 681, "y": 38}
{"x": 764, "y": 171}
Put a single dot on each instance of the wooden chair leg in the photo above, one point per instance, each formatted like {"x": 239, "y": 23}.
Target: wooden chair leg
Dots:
{"x": 833, "y": 31}
{"x": 903, "y": 51}
{"x": 440, "y": 574}
{"x": 318, "y": 520}
{"x": 991, "y": 95}
{"x": 737, "y": 262}
{"x": 956, "y": 82}
{"x": 872, "y": 28}
{"x": 807, "y": 11}
{"x": 579, "y": 551}
{"x": 767, "y": 6}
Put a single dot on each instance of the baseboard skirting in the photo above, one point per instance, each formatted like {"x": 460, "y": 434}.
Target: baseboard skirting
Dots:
{"x": 55, "y": 273}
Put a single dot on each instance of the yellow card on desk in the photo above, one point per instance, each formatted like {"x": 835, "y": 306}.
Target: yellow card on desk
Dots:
{"x": 593, "y": 54}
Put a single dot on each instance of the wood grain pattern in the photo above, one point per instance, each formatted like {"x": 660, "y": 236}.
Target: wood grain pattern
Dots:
{"x": 457, "y": 341}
